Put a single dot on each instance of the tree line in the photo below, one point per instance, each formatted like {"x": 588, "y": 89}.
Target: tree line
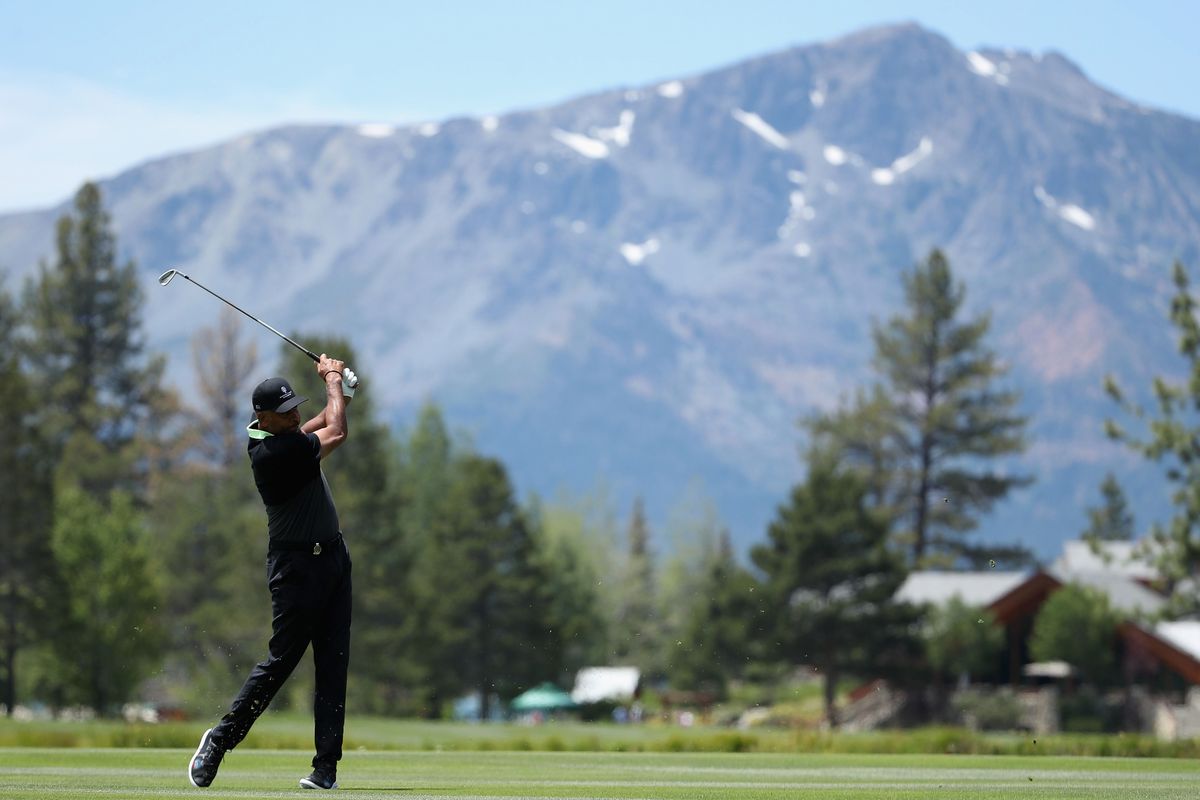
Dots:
{"x": 134, "y": 538}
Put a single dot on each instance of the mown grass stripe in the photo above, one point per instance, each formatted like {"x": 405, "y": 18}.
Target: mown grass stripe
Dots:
{"x": 69, "y": 774}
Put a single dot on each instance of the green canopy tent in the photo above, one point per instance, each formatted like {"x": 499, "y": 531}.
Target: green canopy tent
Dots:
{"x": 544, "y": 697}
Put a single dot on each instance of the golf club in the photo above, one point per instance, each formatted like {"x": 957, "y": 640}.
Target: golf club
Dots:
{"x": 170, "y": 274}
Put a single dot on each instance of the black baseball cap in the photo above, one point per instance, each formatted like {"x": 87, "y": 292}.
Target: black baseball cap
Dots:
{"x": 275, "y": 394}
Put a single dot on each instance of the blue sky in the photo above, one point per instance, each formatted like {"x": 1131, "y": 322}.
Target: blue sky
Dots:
{"x": 90, "y": 88}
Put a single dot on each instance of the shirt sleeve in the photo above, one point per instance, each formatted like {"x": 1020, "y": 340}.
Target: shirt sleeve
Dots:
{"x": 314, "y": 444}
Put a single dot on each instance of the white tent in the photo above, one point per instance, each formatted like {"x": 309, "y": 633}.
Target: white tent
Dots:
{"x": 617, "y": 684}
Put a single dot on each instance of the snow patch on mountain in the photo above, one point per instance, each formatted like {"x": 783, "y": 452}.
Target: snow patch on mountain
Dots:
{"x": 759, "y": 126}
{"x": 620, "y": 133}
{"x": 834, "y": 155}
{"x": 885, "y": 176}
{"x": 1067, "y": 211}
{"x": 671, "y": 89}
{"x": 636, "y": 253}
{"x": 375, "y": 130}
{"x": 584, "y": 145}
{"x": 985, "y": 67}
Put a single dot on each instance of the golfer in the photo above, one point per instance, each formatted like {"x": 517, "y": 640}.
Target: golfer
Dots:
{"x": 308, "y": 571}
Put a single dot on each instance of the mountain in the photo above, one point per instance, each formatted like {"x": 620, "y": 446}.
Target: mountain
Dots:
{"x": 650, "y": 285}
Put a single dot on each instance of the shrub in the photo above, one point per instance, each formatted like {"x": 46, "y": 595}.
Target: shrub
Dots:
{"x": 988, "y": 710}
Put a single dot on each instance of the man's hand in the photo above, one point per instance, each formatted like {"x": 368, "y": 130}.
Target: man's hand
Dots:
{"x": 327, "y": 365}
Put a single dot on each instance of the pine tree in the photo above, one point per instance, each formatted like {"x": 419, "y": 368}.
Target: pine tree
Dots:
{"x": 485, "y": 590}
{"x": 949, "y": 416}
{"x": 1111, "y": 521}
{"x": 865, "y": 430}
{"x": 1171, "y": 436}
{"x": 725, "y": 627}
{"x": 637, "y": 635}
{"x": 27, "y": 571}
{"x": 112, "y": 634}
{"x": 582, "y": 537}
{"x": 695, "y": 535}
{"x": 99, "y": 399}
{"x": 87, "y": 355}
{"x": 831, "y": 582}
{"x": 572, "y": 601}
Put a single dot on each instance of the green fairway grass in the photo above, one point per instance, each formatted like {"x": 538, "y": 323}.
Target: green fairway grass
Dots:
{"x": 67, "y": 774}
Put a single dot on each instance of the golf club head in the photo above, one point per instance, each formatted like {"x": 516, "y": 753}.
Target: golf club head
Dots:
{"x": 166, "y": 277}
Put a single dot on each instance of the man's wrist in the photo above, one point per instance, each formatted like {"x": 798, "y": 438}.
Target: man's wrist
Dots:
{"x": 333, "y": 372}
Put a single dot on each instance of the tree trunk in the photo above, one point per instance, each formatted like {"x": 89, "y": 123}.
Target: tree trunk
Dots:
{"x": 485, "y": 701}
{"x": 921, "y": 532}
{"x": 831, "y": 713}
{"x": 9, "y": 698}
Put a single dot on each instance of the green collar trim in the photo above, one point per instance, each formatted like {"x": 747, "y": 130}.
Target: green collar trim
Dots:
{"x": 255, "y": 432}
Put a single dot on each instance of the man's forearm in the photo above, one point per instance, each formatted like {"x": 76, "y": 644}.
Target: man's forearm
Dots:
{"x": 335, "y": 405}
{"x": 320, "y": 420}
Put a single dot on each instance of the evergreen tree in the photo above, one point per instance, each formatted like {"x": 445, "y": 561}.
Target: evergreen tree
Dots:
{"x": 726, "y": 623}
{"x": 865, "y": 430}
{"x": 87, "y": 355}
{"x": 427, "y": 469}
{"x": 27, "y": 570}
{"x": 585, "y": 555}
{"x": 112, "y": 636}
{"x": 99, "y": 399}
{"x": 694, "y": 532}
{"x": 1112, "y": 521}
{"x": 1171, "y": 436}
{"x": 637, "y": 636}
{"x": 949, "y": 418}
{"x": 831, "y": 581}
{"x": 574, "y": 611}
{"x": 488, "y": 619}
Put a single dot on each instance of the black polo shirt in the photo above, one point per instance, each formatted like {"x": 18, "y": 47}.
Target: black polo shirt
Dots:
{"x": 287, "y": 472}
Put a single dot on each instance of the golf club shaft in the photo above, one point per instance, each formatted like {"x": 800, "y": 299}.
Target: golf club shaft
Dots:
{"x": 294, "y": 344}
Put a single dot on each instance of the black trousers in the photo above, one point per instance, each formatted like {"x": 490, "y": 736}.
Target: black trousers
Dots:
{"x": 310, "y": 603}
